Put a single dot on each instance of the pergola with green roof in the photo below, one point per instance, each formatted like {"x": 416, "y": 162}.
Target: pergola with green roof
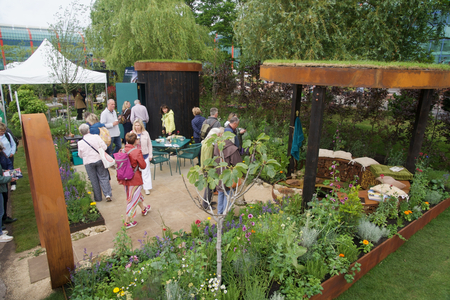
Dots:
{"x": 368, "y": 74}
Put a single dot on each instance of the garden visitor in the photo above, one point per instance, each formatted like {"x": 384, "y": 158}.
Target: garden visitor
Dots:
{"x": 133, "y": 187}
{"x": 233, "y": 128}
{"x": 231, "y": 157}
{"x": 6, "y": 166}
{"x": 86, "y": 115}
{"x": 88, "y": 150}
{"x": 109, "y": 118}
{"x": 4, "y": 237}
{"x": 168, "y": 121}
{"x": 232, "y": 114}
{"x": 10, "y": 147}
{"x": 79, "y": 104}
{"x": 145, "y": 145}
{"x": 207, "y": 152}
{"x": 139, "y": 111}
{"x": 197, "y": 123}
{"x": 94, "y": 124}
{"x": 213, "y": 120}
{"x": 126, "y": 114}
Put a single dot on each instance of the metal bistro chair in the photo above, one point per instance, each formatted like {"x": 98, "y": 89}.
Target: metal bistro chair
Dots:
{"x": 159, "y": 159}
{"x": 189, "y": 152}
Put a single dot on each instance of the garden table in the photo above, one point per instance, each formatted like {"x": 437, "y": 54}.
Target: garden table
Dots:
{"x": 171, "y": 146}
{"x": 53, "y": 105}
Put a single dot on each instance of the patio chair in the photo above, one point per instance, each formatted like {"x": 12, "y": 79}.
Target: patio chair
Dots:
{"x": 189, "y": 152}
{"x": 159, "y": 159}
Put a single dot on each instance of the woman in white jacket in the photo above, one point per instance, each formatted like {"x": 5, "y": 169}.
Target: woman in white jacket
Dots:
{"x": 145, "y": 144}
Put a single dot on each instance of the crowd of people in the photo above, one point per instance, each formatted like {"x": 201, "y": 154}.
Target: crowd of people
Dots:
{"x": 138, "y": 146}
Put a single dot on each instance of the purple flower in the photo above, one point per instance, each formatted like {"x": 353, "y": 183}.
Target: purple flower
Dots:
{"x": 253, "y": 223}
{"x": 333, "y": 166}
{"x": 350, "y": 185}
{"x": 331, "y": 184}
{"x": 332, "y": 199}
{"x": 244, "y": 228}
{"x": 250, "y": 216}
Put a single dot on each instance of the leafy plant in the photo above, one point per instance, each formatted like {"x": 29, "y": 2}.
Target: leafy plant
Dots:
{"x": 316, "y": 267}
{"x": 371, "y": 232}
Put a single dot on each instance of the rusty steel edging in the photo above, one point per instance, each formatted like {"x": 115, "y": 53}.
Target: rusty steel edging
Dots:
{"x": 357, "y": 77}
{"x": 167, "y": 66}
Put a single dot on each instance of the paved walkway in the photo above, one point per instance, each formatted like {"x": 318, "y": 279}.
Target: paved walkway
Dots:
{"x": 171, "y": 206}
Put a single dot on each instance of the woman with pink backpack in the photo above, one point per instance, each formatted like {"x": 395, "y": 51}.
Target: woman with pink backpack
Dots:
{"x": 133, "y": 186}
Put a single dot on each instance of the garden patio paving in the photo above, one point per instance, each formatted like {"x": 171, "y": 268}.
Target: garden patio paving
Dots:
{"x": 170, "y": 204}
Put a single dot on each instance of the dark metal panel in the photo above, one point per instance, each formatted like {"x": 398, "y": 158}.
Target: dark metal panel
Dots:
{"x": 178, "y": 90}
{"x": 312, "y": 154}
{"x": 420, "y": 124}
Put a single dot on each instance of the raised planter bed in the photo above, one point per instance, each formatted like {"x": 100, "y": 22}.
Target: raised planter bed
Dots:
{"x": 80, "y": 226}
{"x": 336, "y": 285}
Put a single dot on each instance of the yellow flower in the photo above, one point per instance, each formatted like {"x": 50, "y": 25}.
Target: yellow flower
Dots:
{"x": 122, "y": 293}
{"x": 243, "y": 161}
{"x": 209, "y": 218}
{"x": 93, "y": 203}
{"x": 341, "y": 255}
{"x": 116, "y": 290}
{"x": 89, "y": 193}
{"x": 366, "y": 242}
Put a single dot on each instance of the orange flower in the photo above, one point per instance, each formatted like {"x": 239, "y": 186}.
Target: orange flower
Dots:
{"x": 281, "y": 172}
{"x": 427, "y": 203}
{"x": 341, "y": 255}
{"x": 406, "y": 212}
{"x": 253, "y": 231}
{"x": 410, "y": 211}
{"x": 366, "y": 242}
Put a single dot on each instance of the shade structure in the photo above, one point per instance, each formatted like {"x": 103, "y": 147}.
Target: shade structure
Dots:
{"x": 37, "y": 69}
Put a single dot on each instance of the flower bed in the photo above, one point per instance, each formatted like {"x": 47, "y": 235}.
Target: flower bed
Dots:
{"x": 336, "y": 285}
{"x": 77, "y": 192}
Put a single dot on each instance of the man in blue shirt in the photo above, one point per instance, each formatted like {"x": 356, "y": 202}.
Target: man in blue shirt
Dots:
{"x": 109, "y": 118}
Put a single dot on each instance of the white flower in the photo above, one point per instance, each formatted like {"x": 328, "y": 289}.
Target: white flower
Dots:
{"x": 225, "y": 291}
{"x": 142, "y": 268}
{"x": 183, "y": 259}
{"x": 282, "y": 225}
{"x": 142, "y": 280}
{"x": 222, "y": 286}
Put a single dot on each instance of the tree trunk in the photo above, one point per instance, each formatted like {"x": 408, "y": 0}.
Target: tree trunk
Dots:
{"x": 68, "y": 110}
{"x": 219, "y": 248}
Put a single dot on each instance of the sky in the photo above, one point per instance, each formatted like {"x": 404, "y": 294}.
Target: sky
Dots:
{"x": 32, "y": 13}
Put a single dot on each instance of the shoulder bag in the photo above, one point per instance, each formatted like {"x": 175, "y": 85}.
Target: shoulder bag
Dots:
{"x": 107, "y": 160}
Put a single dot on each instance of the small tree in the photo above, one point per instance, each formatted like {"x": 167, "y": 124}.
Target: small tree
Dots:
{"x": 68, "y": 52}
{"x": 250, "y": 169}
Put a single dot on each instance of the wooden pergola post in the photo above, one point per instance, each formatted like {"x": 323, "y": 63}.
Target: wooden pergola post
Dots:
{"x": 48, "y": 197}
{"x": 420, "y": 124}
{"x": 295, "y": 111}
{"x": 312, "y": 154}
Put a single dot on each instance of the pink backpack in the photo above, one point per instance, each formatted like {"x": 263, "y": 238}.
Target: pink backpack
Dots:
{"x": 124, "y": 169}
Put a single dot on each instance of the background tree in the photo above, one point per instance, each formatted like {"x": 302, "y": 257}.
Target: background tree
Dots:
{"x": 216, "y": 15}
{"x": 123, "y": 32}
{"x": 68, "y": 52}
{"x": 378, "y": 30}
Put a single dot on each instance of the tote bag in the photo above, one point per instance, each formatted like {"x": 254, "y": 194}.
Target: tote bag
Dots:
{"x": 107, "y": 160}
{"x": 104, "y": 134}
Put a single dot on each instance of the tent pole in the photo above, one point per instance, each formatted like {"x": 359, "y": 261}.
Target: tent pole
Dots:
{"x": 4, "y": 107}
{"x": 10, "y": 93}
{"x": 18, "y": 108}
{"x": 106, "y": 88}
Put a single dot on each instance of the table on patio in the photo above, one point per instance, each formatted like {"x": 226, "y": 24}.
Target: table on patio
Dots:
{"x": 165, "y": 146}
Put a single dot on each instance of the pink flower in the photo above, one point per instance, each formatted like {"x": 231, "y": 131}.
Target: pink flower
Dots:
{"x": 253, "y": 223}
{"x": 331, "y": 184}
{"x": 128, "y": 265}
{"x": 250, "y": 216}
{"x": 244, "y": 228}
{"x": 350, "y": 185}
{"x": 197, "y": 222}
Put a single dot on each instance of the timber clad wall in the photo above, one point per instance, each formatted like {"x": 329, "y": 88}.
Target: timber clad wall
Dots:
{"x": 179, "y": 90}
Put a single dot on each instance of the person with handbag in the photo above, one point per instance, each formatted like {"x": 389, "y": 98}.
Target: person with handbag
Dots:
{"x": 145, "y": 144}
{"x": 133, "y": 187}
{"x": 98, "y": 175}
{"x": 125, "y": 120}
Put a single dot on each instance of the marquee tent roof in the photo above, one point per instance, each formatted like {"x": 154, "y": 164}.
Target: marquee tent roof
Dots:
{"x": 37, "y": 70}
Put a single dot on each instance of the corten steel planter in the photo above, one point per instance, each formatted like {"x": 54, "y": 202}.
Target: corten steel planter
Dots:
{"x": 336, "y": 285}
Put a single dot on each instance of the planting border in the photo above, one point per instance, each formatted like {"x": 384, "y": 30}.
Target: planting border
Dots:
{"x": 336, "y": 285}
{"x": 82, "y": 226}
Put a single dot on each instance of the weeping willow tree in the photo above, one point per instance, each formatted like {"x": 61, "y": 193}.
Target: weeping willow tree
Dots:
{"x": 385, "y": 30}
{"x": 123, "y": 32}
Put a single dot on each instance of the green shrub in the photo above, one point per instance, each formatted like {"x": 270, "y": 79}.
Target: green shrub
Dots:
{"x": 316, "y": 267}
{"x": 371, "y": 232}
{"x": 346, "y": 246}
{"x": 36, "y": 106}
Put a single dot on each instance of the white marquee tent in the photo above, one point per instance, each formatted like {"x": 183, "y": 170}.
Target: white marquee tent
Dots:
{"x": 37, "y": 70}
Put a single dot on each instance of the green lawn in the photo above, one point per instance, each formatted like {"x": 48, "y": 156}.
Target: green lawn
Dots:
{"x": 420, "y": 269}
{"x": 25, "y": 231}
